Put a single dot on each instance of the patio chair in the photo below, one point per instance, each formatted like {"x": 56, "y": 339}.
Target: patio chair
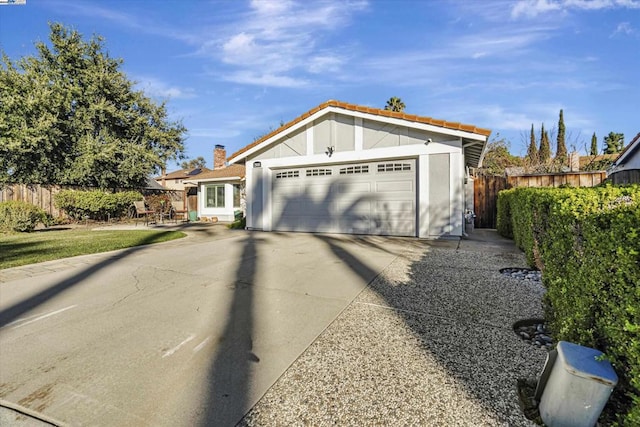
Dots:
{"x": 177, "y": 209}
{"x": 142, "y": 211}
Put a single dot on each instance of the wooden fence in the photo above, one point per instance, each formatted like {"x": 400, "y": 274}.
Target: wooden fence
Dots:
{"x": 42, "y": 195}
{"x": 486, "y": 189}
{"x": 631, "y": 176}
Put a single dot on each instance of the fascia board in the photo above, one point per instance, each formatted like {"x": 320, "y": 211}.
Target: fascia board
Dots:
{"x": 414, "y": 125}
{"x": 228, "y": 178}
{"x": 620, "y": 160}
{"x": 274, "y": 138}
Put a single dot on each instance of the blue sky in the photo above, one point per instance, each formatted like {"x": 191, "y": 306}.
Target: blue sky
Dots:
{"x": 233, "y": 70}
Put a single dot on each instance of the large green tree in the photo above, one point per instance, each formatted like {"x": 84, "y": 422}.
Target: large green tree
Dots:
{"x": 561, "y": 148}
{"x": 394, "y": 104}
{"x": 594, "y": 145}
{"x": 532, "y": 151}
{"x": 613, "y": 143}
{"x": 69, "y": 115}
{"x": 198, "y": 162}
{"x": 497, "y": 157}
{"x": 545, "y": 149}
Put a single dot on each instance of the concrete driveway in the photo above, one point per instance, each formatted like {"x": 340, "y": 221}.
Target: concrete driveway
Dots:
{"x": 190, "y": 332}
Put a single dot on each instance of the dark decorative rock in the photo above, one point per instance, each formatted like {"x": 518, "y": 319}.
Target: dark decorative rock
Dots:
{"x": 534, "y": 332}
{"x": 522, "y": 273}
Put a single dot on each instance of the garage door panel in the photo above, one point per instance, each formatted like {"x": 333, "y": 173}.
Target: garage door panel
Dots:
{"x": 395, "y": 207}
{"x": 394, "y": 186}
{"x": 359, "y": 198}
{"x": 318, "y": 224}
{"x": 354, "y": 187}
{"x": 319, "y": 191}
{"x": 396, "y": 227}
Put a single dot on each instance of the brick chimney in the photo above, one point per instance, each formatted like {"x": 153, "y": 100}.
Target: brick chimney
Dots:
{"x": 219, "y": 157}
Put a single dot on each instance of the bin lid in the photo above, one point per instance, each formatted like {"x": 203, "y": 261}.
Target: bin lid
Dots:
{"x": 585, "y": 362}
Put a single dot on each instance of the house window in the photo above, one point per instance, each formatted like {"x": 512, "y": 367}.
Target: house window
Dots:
{"x": 394, "y": 167}
{"x": 215, "y": 196}
{"x": 236, "y": 195}
{"x": 354, "y": 169}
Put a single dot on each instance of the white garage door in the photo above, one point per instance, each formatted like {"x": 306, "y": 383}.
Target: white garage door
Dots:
{"x": 358, "y": 198}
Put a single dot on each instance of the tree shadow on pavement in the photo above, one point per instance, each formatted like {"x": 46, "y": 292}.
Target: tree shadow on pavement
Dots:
{"x": 229, "y": 377}
{"x": 17, "y": 310}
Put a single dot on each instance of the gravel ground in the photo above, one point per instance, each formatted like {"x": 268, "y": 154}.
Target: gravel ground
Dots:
{"x": 429, "y": 342}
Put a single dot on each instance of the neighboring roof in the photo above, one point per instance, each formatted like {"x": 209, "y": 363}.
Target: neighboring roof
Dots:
{"x": 231, "y": 171}
{"x": 153, "y": 185}
{"x": 376, "y": 111}
{"x": 628, "y": 151}
{"x": 183, "y": 173}
{"x": 587, "y": 160}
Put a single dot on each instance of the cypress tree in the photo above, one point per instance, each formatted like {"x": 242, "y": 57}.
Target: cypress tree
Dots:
{"x": 532, "y": 151}
{"x": 561, "y": 152}
{"x": 545, "y": 150}
{"x": 594, "y": 145}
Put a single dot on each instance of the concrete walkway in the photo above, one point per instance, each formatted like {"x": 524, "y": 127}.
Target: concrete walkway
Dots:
{"x": 427, "y": 342}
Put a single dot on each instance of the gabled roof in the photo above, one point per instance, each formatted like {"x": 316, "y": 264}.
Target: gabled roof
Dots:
{"x": 231, "y": 171}
{"x": 368, "y": 110}
{"x": 628, "y": 151}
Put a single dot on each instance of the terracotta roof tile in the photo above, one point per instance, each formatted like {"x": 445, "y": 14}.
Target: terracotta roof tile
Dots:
{"x": 370, "y": 110}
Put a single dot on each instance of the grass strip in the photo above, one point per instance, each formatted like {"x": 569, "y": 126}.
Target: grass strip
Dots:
{"x": 46, "y": 245}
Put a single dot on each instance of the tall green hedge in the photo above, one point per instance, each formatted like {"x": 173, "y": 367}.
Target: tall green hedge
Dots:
{"x": 587, "y": 243}
{"x": 96, "y": 204}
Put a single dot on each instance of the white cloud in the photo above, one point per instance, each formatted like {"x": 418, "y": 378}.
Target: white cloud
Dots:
{"x": 137, "y": 22}
{"x": 625, "y": 29}
{"x": 155, "y": 87}
{"x": 324, "y": 63}
{"x": 533, "y": 8}
{"x": 277, "y": 42}
{"x": 264, "y": 79}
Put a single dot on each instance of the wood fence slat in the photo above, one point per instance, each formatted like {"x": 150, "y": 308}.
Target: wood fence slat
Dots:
{"x": 486, "y": 189}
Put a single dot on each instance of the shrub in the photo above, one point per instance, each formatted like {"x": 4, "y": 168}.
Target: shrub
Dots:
{"x": 97, "y": 204}
{"x": 587, "y": 242}
{"x": 238, "y": 224}
{"x": 20, "y": 216}
{"x": 159, "y": 203}
{"x": 503, "y": 221}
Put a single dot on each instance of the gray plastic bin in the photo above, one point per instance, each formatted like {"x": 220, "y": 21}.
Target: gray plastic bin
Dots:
{"x": 578, "y": 385}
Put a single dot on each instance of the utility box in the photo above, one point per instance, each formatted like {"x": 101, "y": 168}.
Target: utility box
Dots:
{"x": 575, "y": 385}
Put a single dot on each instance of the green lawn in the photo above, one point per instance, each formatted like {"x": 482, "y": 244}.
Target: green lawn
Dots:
{"x": 46, "y": 245}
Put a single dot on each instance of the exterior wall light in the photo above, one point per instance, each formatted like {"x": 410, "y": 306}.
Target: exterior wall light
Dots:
{"x": 330, "y": 150}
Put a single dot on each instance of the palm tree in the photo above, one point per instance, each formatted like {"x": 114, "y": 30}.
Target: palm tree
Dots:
{"x": 394, "y": 104}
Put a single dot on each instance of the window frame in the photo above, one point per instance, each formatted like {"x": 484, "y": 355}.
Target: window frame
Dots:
{"x": 237, "y": 195}
{"x": 216, "y": 204}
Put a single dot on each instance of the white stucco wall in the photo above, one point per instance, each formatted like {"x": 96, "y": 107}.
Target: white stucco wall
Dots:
{"x": 369, "y": 144}
{"x": 223, "y": 214}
